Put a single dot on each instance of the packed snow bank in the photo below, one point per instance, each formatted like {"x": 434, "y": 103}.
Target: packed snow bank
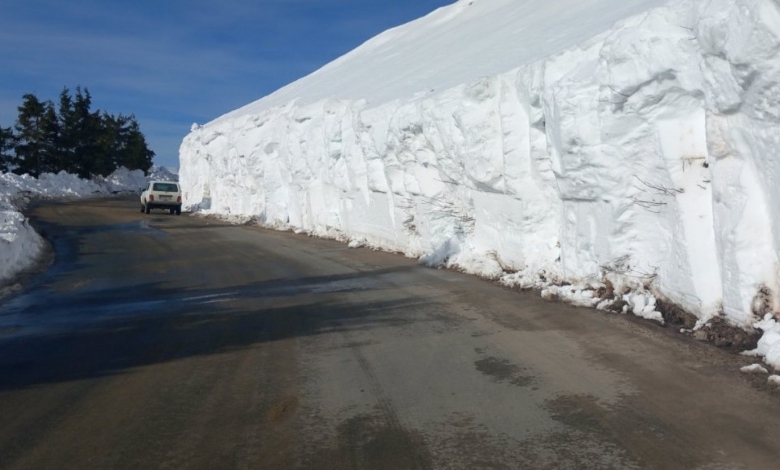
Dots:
{"x": 609, "y": 152}
{"x": 19, "y": 244}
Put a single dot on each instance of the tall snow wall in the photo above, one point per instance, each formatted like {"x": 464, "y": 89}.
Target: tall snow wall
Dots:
{"x": 647, "y": 154}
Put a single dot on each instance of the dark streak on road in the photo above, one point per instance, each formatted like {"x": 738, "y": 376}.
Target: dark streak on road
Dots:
{"x": 157, "y": 341}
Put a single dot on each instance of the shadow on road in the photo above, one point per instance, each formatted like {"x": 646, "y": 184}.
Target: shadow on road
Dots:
{"x": 104, "y": 332}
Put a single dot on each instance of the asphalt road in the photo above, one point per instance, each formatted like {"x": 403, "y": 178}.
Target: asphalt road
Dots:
{"x": 157, "y": 341}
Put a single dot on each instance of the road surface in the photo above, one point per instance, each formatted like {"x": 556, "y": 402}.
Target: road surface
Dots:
{"x": 157, "y": 341}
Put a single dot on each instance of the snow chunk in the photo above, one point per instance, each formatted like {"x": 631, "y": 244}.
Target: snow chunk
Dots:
{"x": 483, "y": 265}
{"x": 769, "y": 344}
{"x": 754, "y": 369}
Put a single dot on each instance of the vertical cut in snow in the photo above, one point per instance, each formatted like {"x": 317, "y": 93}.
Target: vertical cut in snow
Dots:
{"x": 610, "y": 152}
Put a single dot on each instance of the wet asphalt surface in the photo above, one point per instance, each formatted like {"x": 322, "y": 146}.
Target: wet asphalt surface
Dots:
{"x": 157, "y": 341}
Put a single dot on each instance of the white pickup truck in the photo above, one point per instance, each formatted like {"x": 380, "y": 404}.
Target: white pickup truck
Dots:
{"x": 161, "y": 195}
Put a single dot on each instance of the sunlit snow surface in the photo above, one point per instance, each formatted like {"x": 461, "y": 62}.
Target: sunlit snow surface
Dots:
{"x": 554, "y": 144}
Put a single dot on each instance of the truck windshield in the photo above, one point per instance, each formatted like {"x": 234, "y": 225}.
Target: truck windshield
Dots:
{"x": 165, "y": 187}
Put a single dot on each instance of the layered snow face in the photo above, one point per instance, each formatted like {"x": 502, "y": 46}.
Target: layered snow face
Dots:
{"x": 19, "y": 243}
{"x": 645, "y": 156}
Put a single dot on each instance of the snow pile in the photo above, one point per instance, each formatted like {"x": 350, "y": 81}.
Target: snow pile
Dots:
{"x": 769, "y": 344}
{"x": 161, "y": 173}
{"x": 19, "y": 244}
{"x": 610, "y": 153}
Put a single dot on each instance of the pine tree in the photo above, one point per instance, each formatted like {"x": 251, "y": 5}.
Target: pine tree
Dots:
{"x": 6, "y": 145}
{"x": 29, "y": 149}
{"x": 72, "y": 138}
{"x": 68, "y": 135}
{"x": 50, "y": 144}
{"x": 87, "y": 128}
{"x": 134, "y": 153}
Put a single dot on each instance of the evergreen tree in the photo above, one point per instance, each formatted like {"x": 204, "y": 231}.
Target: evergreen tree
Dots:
{"x": 68, "y": 136}
{"x": 6, "y": 145}
{"x": 87, "y": 129}
{"x": 135, "y": 153}
{"x": 72, "y": 138}
{"x": 30, "y": 136}
{"x": 50, "y": 145}
{"x": 109, "y": 140}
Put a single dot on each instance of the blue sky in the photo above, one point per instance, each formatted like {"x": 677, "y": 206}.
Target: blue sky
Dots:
{"x": 175, "y": 62}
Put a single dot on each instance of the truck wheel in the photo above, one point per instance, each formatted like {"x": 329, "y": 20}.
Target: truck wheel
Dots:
{"x": 148, "y": 209}
{"x": 178, "y": 211}
{"x": 142, "y": 208}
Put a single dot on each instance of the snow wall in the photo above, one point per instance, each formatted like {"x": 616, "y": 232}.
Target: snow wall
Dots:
{"x": 647, "y": 154}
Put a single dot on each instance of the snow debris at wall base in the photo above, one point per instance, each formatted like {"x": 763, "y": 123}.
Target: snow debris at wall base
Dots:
{"x": 769, "y": 344}
{"x": 640, "y": 165}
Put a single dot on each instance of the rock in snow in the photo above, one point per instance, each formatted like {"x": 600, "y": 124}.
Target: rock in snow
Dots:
{"x": 542, "y": 141}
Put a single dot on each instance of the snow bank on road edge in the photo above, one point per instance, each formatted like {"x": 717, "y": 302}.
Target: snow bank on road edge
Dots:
{"x": 20, "y": 245}
{"x": 639, "y": 302}
{"x": 641, "y": 160}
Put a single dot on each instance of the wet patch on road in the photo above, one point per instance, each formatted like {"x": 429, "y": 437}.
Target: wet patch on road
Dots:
{"x": 501, "y": 370}
{"x": 623, "y": 435}
{"x": 369, "y": 441}
{"x": 355, "y": 344}
{"x": 89, "y": 302}
{"x": 573, "y": 450}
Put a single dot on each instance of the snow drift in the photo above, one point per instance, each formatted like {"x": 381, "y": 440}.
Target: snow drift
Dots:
{"x": 548, "y": 143}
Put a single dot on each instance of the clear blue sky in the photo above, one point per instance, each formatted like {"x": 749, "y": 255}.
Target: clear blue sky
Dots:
{"x": 175, "y": 62}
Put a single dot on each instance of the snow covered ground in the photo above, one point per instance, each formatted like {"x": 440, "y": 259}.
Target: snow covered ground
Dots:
{"x": 612, "y": 153}
{"x": 19, "y": 244}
